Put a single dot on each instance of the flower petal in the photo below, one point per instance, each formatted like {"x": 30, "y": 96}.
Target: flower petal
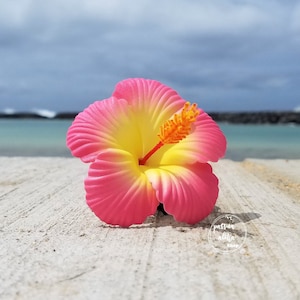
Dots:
{"x": 157, "y": 103}
{"x": 188, "y": 193}
{"x": 117, "y": 191}
{"x": 109, "y": 123}
{"x": 205, "y": 143}
{"x": 152, "y": 102}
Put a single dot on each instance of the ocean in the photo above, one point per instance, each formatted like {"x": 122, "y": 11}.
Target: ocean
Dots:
{"x": 44, "y": 137}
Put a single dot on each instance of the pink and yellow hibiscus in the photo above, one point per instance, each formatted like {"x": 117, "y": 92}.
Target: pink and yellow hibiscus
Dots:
{"x": 147, "y": 146}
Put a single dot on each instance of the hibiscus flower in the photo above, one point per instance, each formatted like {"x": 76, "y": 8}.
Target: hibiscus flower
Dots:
{"x": 146, "y": 145}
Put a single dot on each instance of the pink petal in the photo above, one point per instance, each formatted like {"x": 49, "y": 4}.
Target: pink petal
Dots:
{"x": 188, "y": 193}
{"x": 109, "y": 123}
{"x": 117, "y": 192}
{"x": 205, "y": 143}
{"x": 157, "y": 103}
{"x": 153, "y": 103}
{"x": 150, "y": 96}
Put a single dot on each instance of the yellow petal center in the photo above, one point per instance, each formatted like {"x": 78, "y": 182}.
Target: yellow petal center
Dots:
{"x": 175, "y": 129}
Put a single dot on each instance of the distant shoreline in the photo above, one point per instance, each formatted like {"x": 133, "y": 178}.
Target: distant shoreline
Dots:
{"x": 277, "y": 117}
{"x": 266, "y": 117}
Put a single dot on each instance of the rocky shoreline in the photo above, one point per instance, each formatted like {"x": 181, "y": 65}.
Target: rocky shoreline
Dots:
{"x": 257, "y": 117}
{"x": 228, "y": 117}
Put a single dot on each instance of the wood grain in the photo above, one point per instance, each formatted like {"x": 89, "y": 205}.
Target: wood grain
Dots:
{"x": 53, "y": 247}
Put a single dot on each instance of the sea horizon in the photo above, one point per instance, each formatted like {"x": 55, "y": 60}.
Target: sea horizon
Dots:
{"x": 239, "y": 116}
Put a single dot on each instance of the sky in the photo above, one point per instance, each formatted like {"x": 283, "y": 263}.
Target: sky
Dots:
{"x": 225, "y": 55}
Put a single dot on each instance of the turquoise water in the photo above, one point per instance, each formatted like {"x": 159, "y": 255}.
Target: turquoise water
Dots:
{"x": 47, "y": 138}
{"x": 27, "y": 137}
{"x": 262, "y": 141}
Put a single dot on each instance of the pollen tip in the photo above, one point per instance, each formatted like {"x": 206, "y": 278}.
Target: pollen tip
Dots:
{"x": 177, "y": 128}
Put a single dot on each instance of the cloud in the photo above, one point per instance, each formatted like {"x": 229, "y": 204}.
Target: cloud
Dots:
{"x": 295, "y": 18}
{"x": 61, "y": 55}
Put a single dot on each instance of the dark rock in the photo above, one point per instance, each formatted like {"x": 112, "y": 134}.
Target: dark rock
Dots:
{"x": 256, "y": 117}
{"x": 22, "y": 115}
{"x": 66, "y": 115}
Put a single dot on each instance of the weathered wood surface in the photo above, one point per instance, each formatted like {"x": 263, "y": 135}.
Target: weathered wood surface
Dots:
{"x": 53, "y": 247}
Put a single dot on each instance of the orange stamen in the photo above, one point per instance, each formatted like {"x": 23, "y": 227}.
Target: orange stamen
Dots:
{"x": 176, "y": 129}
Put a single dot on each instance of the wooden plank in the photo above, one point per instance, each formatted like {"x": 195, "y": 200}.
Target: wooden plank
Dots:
{"x": 53, "y": 247}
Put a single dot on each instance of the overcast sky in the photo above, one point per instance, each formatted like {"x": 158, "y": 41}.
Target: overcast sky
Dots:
{"x": 230, "y": 55}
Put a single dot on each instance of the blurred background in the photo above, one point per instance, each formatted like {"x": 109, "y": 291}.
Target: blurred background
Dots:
{"x": 227, "y": 56}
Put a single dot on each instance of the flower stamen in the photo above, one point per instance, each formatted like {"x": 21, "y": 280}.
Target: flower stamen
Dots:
{"x": 175, "y": 129}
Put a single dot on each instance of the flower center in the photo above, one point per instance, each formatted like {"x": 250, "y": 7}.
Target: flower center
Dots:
{"x": 175, "y": 129}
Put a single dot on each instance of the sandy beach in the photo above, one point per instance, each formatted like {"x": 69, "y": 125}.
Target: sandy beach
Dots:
{"x": 53, "y": 247}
